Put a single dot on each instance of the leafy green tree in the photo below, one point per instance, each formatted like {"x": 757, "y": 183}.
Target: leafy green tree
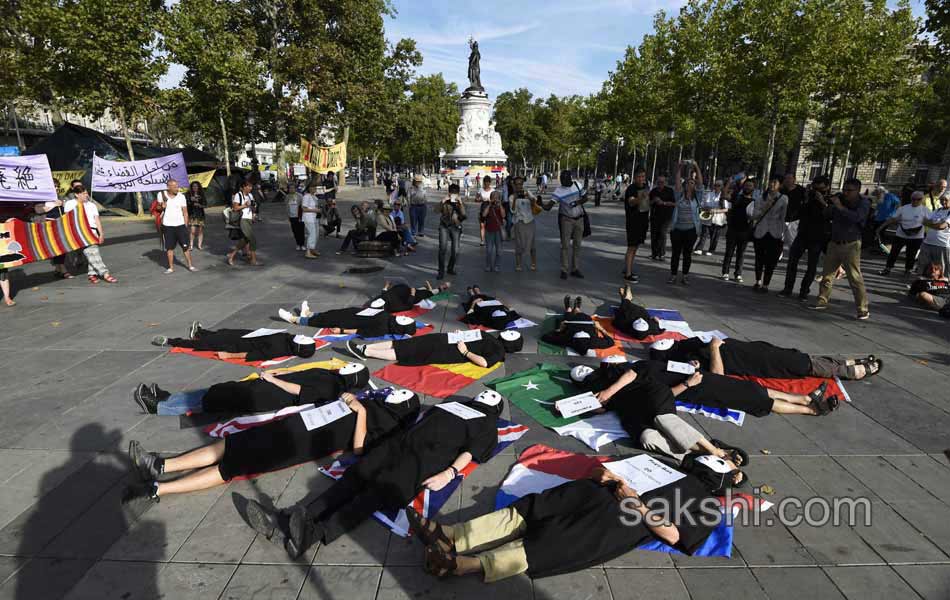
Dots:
{"x": 428, "y": 121}
{"x": 516, "y": 117}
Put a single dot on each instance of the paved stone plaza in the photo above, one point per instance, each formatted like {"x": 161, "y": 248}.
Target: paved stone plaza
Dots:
{"x": 73, "y": 352}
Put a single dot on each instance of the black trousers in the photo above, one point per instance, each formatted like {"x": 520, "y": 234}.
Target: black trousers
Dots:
{"x": 659, "y": 229}
{"x": 767, "y": 252}
{"x": 735, "y": 243}
{"x": 296, "y": 226}
{"x": 910, "y": 256}
{"x": 800, "y": 246}
{"x": 353, "y": 236}
{"x": 342, "y": 508}
{"x": 712, "y": 232}
{"x": 331, "y": 226}
{"x": 683, "y": 241}
{"x": 392, "y": 237}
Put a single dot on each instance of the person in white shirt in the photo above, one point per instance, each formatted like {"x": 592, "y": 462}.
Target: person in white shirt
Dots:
{"x": 242, "y": 203}
{"x": 97, "y": 268}
{"x": 936, "y": 246}
{"x": 715, "y": 206}
{"x": 525, "y": 205}
{"x": 293, "y": 214}
{"x": 310, "y": 208}
{"x": 909, "y": 234}
{"x": 484, "y": 195}
{"x": 570, "y": 198}
{"x": 174, "y": 209}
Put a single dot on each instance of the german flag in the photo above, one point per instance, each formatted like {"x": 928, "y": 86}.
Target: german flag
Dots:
{"x": 440, "y": 381}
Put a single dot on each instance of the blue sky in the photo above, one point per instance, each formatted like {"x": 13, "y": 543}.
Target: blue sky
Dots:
{"x": 548, "y": 46}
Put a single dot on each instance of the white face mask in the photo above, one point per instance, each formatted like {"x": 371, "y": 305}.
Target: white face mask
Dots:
{"x": 399, "y": 396}
{"x": 488, "y": 398}
{"x": 377, "y": 303}
{"x": 351, "y": 368}
{"x": 715, "y": 463}
{"x": 404, "y": 321}
{"x": 303, "y": 339}
{"x": 510, "y": 336}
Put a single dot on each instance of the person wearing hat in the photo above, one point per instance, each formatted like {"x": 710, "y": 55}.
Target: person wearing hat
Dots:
{"x": 359, "y": 321}
{"x": 401, "y": 297}
{"x": 577, "y": 330}
{"x": 399, "y": 218}
{"x": 762, "y": 359}
{"x": 487, "y": 311}
{"x": 370, "y": 416}
{"x": 437, "y": 349}
{"x": 237, "y": 344}
{"x": 417, "y": 207}
{"x": 428, "y": 456}
{"x": 633, "y": 319}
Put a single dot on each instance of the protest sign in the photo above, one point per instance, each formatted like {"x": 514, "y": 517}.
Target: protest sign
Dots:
{"x": 147, "y": 175}
{"x": 63, "y": 178}
{"x": 204, "y": 178}
{"x": 322, "y": 159}
{"x": 26, "y": 179}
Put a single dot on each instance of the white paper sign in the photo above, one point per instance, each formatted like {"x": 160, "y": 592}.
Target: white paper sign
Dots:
{"x": 369, "y": 312}
{"x": 262, "y": 332}
{"x": 26, "y": 179}
{"x": 460, "y": 410}
{"x": 577, "y": 405}
{"x": 471, "y": 335}
{"x": 489, "y": 303}
{"x": 644, "y": 473}
{"x": 322, "y": 415}
{"x": 680, "y": 367}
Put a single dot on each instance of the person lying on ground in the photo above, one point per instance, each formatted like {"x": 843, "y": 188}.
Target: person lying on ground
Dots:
{"x": 487, "y": 311}
{"x": 234, "y": 343}
{"x": 275, "y": 445}
{"x": 577, "y": 330}
{"x": 719, "y": 391}
{"x": 762, "y": 359}
{"x": 401, "y": 297}
{"x": 633, "y": 319}
{"x": 271, "y": 391}
{"x": 430, "y": 455}
{"x": 577, "y": 525}
{"x": 436, "y": 349}
{"x": 646, "y": 409}
{"x": 931, "y": 286}
{"x": 364, "y": 322}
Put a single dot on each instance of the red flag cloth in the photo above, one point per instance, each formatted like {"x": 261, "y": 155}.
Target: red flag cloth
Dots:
{"x": 440, "y": 381}
{"x": 607, "y": 323}
{"x": 802, "y": 385}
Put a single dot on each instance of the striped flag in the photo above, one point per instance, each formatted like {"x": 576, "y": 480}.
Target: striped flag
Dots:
{"x": 440, "y": 381}
{"x": 22, "y": 242}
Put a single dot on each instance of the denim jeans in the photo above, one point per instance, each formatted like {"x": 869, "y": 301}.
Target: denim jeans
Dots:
{"x": 448, "y": 246}
{"x": 417, "y": 218}
{"x": 492, "y": 250}
{"x": 182, "y": 403}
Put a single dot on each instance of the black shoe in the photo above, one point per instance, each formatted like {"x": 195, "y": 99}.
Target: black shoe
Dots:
{"x": 567, "y": 303}
{"x": 785, "y": 293}
{"x": 563, "y": 274}
{"x": 303, "y": 532}
{"x": 803, "y": 297}
{"x": 632, "y": 278}
{"x": 140, "y": 492}
{"x": 144, "y": 398}
{"x": 194, "y": 331}
{"x": 149, "y": 464}
{"x": 357, "y": 350}
{"x": 158, "y": 393}
{"x": 577, "y": 303}
{"x": 819, "y": 392}
{"x": 266, "y": 522}
{"x": 576, "y": 273}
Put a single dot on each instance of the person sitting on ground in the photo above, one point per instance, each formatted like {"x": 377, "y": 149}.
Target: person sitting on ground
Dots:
{"x": 430, "y": 455}
{"x": 362, "y": 322}
{"x": 386, "y": 230}
{"x": 762, "y": 359}
{"x": 436, "y": 349}
{"x": 363, "y": 229}
{"x": 234, "y": 343}
{"x": 577, "y": 330}
{"x": 275, "y": 445}
{"x": 271, "y": 391}
{"x": 487, "y": 311}
{"x": 633, "y": 319}
{"x": 332, "y": 222}
{"x": 531, "y": 536}
{"x": 646, "y": 409}
{"x": 933, "y": 284}
{"x": 401, "y": 297}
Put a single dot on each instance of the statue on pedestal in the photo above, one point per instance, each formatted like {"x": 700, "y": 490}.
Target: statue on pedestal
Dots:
{"x": 474, "y": 67}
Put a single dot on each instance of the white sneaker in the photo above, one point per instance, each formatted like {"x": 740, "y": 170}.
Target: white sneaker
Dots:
{"x": 724, "y": 276}
{"x": 286, "y": 315}
{"x": 709, "y": 254}
{"x": 697, "y": 252}
{"x": 305, "y": 309}
{"x": 167, "y": 271}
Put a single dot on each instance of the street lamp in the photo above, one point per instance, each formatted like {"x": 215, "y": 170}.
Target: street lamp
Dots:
{"x": 251, "y": 120}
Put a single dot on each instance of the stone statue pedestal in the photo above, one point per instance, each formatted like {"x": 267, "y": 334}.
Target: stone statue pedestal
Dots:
{"x": 477, "y": 144}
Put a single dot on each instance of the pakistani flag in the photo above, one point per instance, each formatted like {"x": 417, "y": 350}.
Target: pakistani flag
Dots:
{"x": 535, "y": 391}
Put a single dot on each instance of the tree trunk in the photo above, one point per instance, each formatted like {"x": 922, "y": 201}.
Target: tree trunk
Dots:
{"x": 847, "y": 157}
{"x": 633, "y": 163}
{"x": 769, "y": 152}
{"x": 375, "y": 156}
{"x": 128, "y": 145}
{"x": 341, "y": 175}
{"x": 715, "y": 169}
{"x": 227, "y": 154}
{"x": 16, "y": 127}
{"x": 656, "y": 149}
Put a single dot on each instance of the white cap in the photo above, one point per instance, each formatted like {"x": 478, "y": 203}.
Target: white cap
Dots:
{"x": 510, "y": 335}
{"x": 662, "y": 345}
{"x": 582, "y": 334}
{"x": 350, "y": 368}
{"x": 641, "y": 325}
{"x": 398, "y": 396}
{"x": 488, "y": 398}
{"x": 580, "y": 373}
{"x": 303, "y": 339}
{"x": 614, "y": 359}
{"x": 378, "y": 303}
{"x": 403, "y": 320}
{"x": 498, "y": 313}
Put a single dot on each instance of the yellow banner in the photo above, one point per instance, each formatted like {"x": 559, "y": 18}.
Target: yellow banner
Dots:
{"x": 204, "y": 178}
{"x": 322, "y": 159}
{"x": 62, "y": 179}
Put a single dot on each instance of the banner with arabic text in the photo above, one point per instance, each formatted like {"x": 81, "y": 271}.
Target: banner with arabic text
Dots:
{"x": 322, "y": 159}
{"x": 26, "y": 179}
{"x": 149, "y": 175}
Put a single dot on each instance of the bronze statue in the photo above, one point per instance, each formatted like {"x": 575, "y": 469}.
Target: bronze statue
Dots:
{"x": 474, "y": 67}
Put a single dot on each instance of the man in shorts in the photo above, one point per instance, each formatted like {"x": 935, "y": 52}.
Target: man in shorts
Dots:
{"x": 175, "y": 224}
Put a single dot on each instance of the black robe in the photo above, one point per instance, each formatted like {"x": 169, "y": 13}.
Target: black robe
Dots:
{"x": 434, "y": 348}
{"x": 630, "y": 312}
{"x": 264, "y": 347}
{"x": 714, "y": 391}
{"x": 377, "y": 325}
{"x": 286, "y": 442}
{"x": 578, "y": 323}
{"x": 578, "y": 524}
{"x": 757, "y": 359}
{"x": 398, "y": 298}
{"x": 471, "y": 299}
{"x": 316, "y": 387}
{"x": 483, "y": 315}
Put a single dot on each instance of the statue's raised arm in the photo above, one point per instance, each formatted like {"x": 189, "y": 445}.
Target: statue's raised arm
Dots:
{"x": 474, "y": 66}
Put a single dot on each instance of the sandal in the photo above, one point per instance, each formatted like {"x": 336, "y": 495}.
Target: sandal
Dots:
{"x": 736, "y": 454}
{"x": 93, "y": 279}
{"x": 865, "y": 361}
{"x": 873, "y": 367}
{"x": 109, "y": 278}
{"x": 64, "y": 275}
{"x": 439, "y": 563}
{"x": 818, "y": 393}
{"x": 426, "y": 536}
